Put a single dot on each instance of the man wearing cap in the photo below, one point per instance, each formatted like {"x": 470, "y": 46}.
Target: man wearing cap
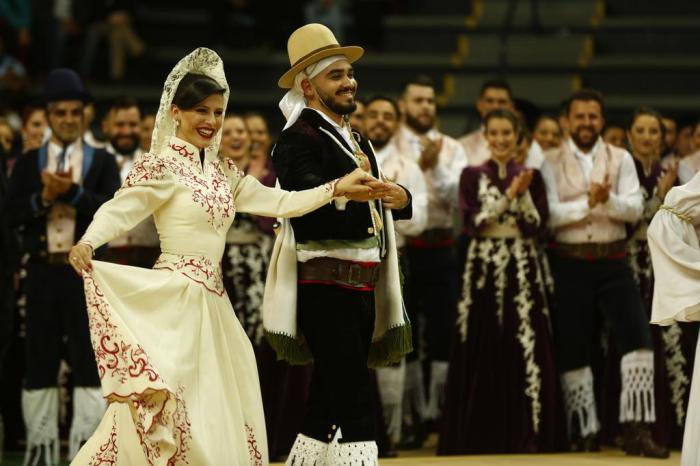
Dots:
{"x": 333, "y": 291}
{"x": 51, "y": 197}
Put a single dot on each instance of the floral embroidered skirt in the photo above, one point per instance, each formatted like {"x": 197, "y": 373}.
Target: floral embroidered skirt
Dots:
{"x": 177, "y": 368}
{"x": 674, "y": 350}
{"x": 502, "y": 393}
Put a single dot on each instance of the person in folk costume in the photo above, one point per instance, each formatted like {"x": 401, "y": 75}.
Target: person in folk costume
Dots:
{"x": 122, "y": 126}
{"x": 176, "y": 367}
{"x": 501, "y": 395}
{"x": 52, "y": 195}
{"x": 493, "y": 94}
{"x": 675, "y": 255}
{"x": 432, "y": 285}
{"x": 381, "y": 122}
{"x": 674, "y": 344}
{"x": 333, "y": 291}
{"x": 593, "y": 191}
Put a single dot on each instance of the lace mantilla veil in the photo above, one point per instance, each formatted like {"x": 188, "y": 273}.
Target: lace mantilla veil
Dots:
{"x": 201, "y": 61}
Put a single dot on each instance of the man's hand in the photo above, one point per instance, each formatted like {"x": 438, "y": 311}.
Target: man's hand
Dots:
{"x": 62, "y": 181}
{"x": 48, "y": 193}
{"x": 599, "y": 193}
{"x": 360, "y": 186}
{"x": 431, "y": 151}
{"x": 395, "y": 198}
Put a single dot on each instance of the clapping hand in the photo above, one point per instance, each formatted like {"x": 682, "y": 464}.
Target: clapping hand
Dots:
{"x": 431, "y": 151}
{"x": 520, "y": 184}
{"x": 599, "y": 193}
{"x": 667, "y": 180}
{"x": 55, "y": 184}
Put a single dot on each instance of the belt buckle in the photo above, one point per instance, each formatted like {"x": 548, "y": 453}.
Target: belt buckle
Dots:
{"x": 355, "y": 274}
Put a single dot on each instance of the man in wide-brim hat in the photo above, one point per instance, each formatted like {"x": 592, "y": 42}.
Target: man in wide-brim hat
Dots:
{"x": 333, "y": 293}
{"x": 53, "y": 193}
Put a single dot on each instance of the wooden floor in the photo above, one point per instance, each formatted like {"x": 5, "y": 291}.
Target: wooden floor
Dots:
{"x": 604, "y": 458}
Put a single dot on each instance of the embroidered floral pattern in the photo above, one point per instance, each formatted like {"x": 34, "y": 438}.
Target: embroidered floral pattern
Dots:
{"x": 246, "y": 282}
{"x": 159, "y": 415}
{"x": 199, "y": 269}
{"x": 253, "y": 450}
{"x": 676, "y": 363}
{"x": 214, "y": 194}
{"x": 494, "y": 256}
{"x": 107, "y": 453}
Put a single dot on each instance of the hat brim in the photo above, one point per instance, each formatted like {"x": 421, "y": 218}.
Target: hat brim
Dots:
{"x": 353, "y": 53}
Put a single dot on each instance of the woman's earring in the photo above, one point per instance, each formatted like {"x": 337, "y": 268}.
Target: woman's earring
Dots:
{"x": 177, "y": 123}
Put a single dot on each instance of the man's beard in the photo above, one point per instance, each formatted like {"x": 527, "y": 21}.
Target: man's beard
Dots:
{"x": 379, "y": 142}
{"x": 580, "y": 143}
{"x": 337, "y": 107}
{"x": 416, "y": 125}
{"x": 129, "y": 149}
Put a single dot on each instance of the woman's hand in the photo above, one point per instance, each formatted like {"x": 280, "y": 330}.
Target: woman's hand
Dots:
{"x": 520, "y": 184}
{"x": 80, "y": 258}
{"x": 667, "y": 180}
{"x": 360, "y": 186}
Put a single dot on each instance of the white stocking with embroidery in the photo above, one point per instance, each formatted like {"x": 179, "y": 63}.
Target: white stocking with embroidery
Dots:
{"x": 40, "y": 412}
{"x": 88, "y": 408}
{"x": 637, "y": 395}
{"x": 579, "y": 399}
{"x": 351, "y": 453}
{"x": 307, "y": 451}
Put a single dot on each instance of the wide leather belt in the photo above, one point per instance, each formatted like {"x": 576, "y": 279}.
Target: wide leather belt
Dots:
{"x": 592, "y": 251}
{"x": 337, "y": 271}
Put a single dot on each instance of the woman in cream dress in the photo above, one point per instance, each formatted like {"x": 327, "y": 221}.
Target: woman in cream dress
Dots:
{"x": 675, "y": 255}
{"x": 176, "y": 367}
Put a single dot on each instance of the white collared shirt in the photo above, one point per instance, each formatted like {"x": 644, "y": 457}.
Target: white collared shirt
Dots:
{"x": 623, "y": 204}
{"x": 60, "y": 222}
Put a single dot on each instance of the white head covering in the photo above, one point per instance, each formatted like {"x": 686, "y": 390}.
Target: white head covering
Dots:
{"x": 201, "y": 61}
{"x": 293, "y": 101}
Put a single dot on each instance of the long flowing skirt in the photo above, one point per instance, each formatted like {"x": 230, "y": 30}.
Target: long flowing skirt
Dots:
{"x": 176, "y": 367}
{"x": 502, "y": 394}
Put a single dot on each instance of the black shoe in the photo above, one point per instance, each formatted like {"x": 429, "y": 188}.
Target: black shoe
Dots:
{"x": 589, "y": 443}
{"x": 637, "y": 441}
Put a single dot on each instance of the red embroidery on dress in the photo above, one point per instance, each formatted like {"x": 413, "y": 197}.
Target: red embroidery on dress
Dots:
{"x": 182, "y": 150}
{"x": 233, "y": 167}
{"x": 215, "y": 197}
{"x": 255, "y": 455}
{"x": 197, "y": 268}
{"x": 108, "y": 451}
{"x": 159, "y": 415}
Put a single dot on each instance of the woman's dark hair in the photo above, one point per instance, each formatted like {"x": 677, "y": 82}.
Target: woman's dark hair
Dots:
{"x": 647, "y": 111}
{"x": 506, "y": 115}
{"x": 194, "y": 88}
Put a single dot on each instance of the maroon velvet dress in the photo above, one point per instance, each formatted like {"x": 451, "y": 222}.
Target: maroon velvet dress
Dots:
{"x": 502, "y": 391}
{"x": 674, "y": 346}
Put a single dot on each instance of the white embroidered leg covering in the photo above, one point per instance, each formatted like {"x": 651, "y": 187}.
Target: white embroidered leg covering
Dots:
{"x": 307, "y": 451}
{"x": 579, "y": 399}
{"x": 637, "y": 395}
{"x": 438, "y": 380}
{"x": 351, "y": 453}
{"x": 88, "y": 408}
{"x": 40, "y": 412}
{"x": 391, "y": 387}
{"x": 414, "y": 392}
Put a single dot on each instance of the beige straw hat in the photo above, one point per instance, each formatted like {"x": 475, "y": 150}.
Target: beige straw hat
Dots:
{"x": 309, "y": 44}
